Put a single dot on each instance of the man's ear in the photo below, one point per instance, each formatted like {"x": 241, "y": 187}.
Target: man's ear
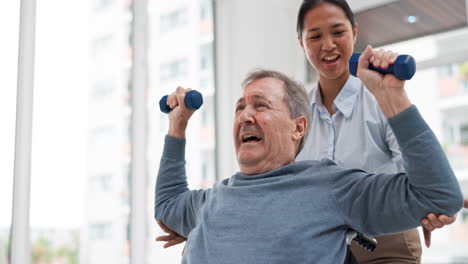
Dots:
{"x": 300, "y": 128}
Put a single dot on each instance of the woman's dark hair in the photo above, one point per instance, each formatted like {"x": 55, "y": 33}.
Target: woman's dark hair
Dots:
{"x": 307, "y": 5}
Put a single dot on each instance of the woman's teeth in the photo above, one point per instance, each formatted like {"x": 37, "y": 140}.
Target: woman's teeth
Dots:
{"x": 331, "y": 58}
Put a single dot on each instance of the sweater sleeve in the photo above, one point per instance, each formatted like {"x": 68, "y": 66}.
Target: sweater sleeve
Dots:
{"x": 394, "y": 149}
{"x": 175, "y": 205}
{"x": 390, "y": 203}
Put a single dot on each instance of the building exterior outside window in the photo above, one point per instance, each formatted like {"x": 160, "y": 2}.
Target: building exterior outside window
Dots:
{"x": 181, "y": 48}
{"x": 104, "y": 235}
{"x": 173, "y": 19}
{"x": 438, "y": 92}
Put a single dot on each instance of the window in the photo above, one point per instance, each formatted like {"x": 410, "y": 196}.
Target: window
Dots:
{"x": 102, "y": 89}
{"x": 45, "y": 247}
{"x": 449, "y": 132}
{"x": 435, "y": 91}
{"x": 464, "y": 216}
{"x": 205, "y": 10}
{"x": 463, "y": 69}
{"x": 186, "y": 60}
{"x": 176, "y": 69}
{"x": 207, "y": 176}
{"x": 464, "y": 85}
{"x": 101, "y": 183}
{"x": 60, "y": 109}
{"x": 101, "y": 134}
{"x": 206, "y": 57}
{"x": 464, "y": 212}
{"x": 464, "y": 135}
{"x": 173, "y": 20}
{"x": 102, "y": 44}
{"x": 446, "y": 71}
{"x": 100, "y": 231}
{"x": 102, "y": 4}
{"x": 207, "y": 111}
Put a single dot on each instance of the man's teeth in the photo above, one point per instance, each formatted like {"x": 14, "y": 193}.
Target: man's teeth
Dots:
{"x": 248, "y": 137}
{"x": 245, "y": 137}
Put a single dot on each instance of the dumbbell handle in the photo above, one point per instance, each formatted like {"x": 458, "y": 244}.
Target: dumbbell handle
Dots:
{"x": 403, "y": 68}
{"x": 193, "y": 100}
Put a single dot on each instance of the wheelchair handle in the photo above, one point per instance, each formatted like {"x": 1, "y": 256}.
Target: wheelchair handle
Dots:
{"x": 362, "y": 240}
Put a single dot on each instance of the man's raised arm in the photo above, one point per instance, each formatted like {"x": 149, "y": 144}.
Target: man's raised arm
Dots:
{"x": 175, "y": 204}
{"x": 379, "y": 204}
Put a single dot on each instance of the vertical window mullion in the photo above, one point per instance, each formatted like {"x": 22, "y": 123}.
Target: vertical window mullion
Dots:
{"x": 139, "y": 136}
{"x": 20, "y": 245}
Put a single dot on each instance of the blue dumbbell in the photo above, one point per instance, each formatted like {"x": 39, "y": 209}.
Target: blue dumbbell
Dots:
{"x": 403, "y": 68}
{"x": 193, "y": 100}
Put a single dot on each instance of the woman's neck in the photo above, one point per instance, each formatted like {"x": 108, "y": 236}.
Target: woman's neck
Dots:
{"x": 329, "y": 89}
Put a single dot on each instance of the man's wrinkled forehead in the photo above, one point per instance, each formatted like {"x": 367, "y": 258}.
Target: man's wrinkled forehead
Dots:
{"x": 256, "y": 97}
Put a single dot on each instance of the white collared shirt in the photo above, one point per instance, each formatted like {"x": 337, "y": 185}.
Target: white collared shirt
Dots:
{"x": 356, "y": 136}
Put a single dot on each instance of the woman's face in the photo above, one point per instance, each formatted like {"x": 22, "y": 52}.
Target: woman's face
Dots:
{"x": 328, "y": 40}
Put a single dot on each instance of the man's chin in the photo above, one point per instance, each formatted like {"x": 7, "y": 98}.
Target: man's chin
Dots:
{"x": 248, "y": 159}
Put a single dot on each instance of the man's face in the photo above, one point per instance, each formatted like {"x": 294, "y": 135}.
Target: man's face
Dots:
{"x": 265, "y": 135}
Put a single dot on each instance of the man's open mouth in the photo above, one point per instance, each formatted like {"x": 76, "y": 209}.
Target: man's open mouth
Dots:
{"x": 250, "y": 138}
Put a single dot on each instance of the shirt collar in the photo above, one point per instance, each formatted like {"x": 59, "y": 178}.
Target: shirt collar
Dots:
{"x": 345, "y": 100}
{"x": 315, "y": 96}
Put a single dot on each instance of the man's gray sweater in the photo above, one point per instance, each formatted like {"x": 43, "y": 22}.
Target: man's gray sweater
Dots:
{"x": 300, "y": 213}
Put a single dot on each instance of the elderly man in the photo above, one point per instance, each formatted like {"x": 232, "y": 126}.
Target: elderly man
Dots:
{"x": 277, "y": 211}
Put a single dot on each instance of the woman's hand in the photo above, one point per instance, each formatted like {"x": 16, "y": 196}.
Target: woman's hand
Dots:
{"x": 172, "y": 238}
{"x": 432, "y": 222}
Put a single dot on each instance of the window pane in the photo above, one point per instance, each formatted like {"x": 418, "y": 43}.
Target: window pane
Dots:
{"x": 176, "y": 18}
{"x": 181, "y": 53}
{"x": 9, "y": 26}
{"x": 60, "y": 113}
{"x": 104, "y": 233}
